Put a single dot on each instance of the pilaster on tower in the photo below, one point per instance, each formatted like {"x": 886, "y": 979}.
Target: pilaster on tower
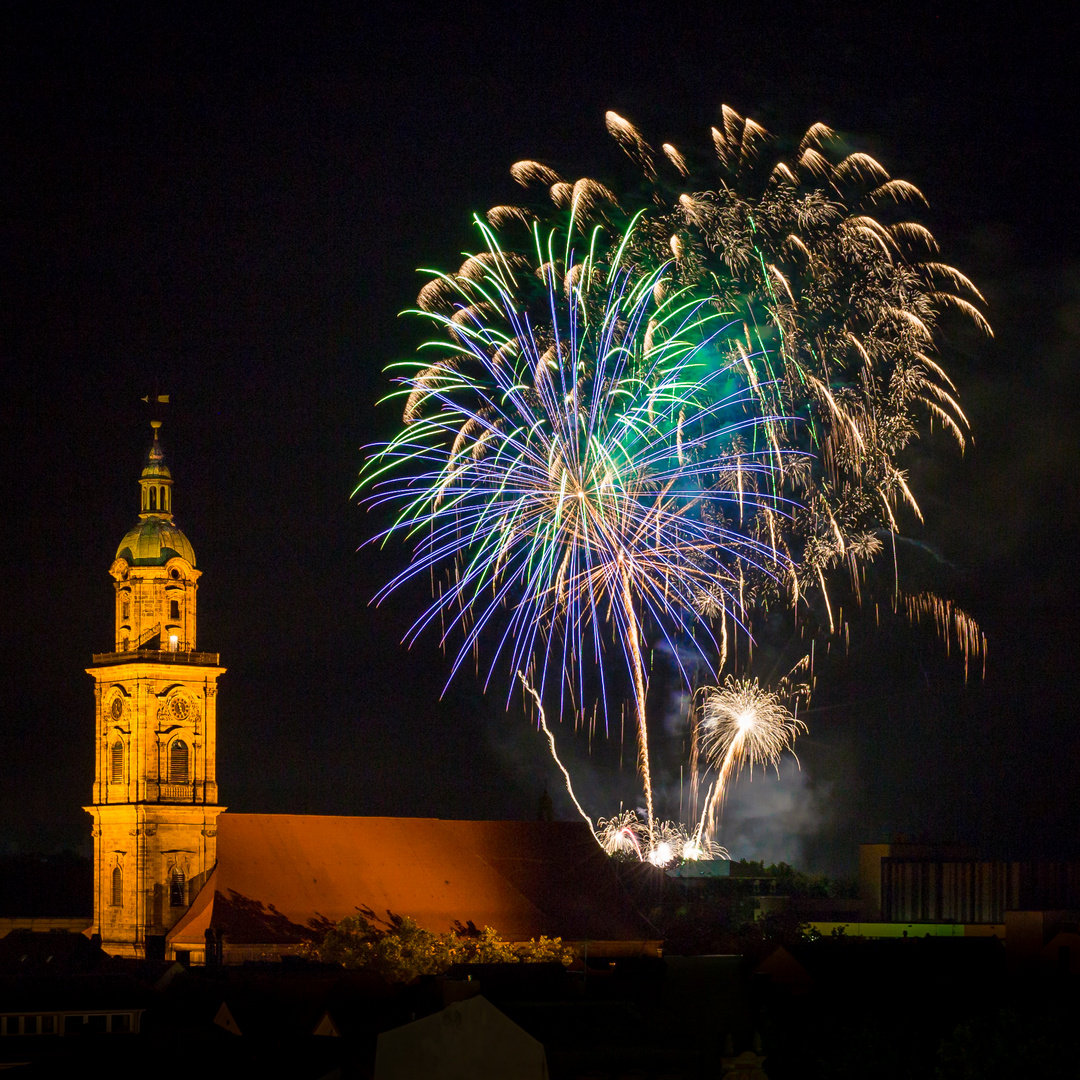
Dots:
{"x": 155, "y": 797}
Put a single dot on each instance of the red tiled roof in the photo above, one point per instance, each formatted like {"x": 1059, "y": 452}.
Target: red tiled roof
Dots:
{"x": 282, "y": 879}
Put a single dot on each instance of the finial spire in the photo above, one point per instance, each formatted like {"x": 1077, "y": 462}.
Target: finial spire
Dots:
{"x": 156, "y": 481}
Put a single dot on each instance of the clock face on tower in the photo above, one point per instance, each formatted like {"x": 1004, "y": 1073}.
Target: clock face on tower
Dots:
{"x": 180, "y": 707}
{"x": 117, "y": 708}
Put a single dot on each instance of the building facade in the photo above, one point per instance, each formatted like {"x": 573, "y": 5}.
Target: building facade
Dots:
{"x": 155, "y": 798}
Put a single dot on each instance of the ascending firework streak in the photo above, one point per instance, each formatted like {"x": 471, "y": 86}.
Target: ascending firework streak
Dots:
{"x": 582, "y": 457}
{"x": 743, "y": 725}
{"x": 542, "y": 721}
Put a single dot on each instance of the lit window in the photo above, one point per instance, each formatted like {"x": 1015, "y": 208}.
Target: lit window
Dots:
{"x": 178, "y": 762}
{"x": 117, "y": 770}
{"x": 177, "y": 889}
{"x": 174, "y": 643}
{"x": 117, "y": 887}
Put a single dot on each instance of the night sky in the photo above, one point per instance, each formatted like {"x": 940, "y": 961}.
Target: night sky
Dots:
{"x": 230, "y": 207}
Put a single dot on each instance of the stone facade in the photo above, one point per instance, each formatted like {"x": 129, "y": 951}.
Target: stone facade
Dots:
{"x": 155, "y": 797}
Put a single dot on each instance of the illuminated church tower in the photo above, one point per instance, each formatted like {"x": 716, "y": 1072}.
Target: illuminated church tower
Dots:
{"x": 155, "y": 800}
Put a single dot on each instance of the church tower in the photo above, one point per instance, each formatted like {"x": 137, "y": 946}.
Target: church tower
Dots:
{"x": 155, "y": 797}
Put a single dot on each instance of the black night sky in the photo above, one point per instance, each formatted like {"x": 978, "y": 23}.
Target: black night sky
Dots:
{"x": 229, "y": 205}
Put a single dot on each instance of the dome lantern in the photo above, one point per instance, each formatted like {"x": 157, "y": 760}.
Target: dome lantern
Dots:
{"x": 156, "y": 482}
{"x": 155, "y": 539}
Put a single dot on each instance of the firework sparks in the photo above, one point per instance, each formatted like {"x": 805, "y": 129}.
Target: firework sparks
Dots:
{"x": 950, "y": 621}
{"x": 743, "y": 725}
{"x": 627, "y": 835}
{"x": 579, "y": 463}
{"x": 838, "y": 295}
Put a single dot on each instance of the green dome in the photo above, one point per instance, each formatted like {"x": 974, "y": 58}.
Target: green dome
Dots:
{"x": 154, "y": 542}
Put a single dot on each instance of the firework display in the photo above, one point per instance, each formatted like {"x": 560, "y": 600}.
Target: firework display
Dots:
{"x": 836, "y": 291}
{"x": 665, "y": 417}
{"x": 627, "y": 835}
{"x": 583, "y": 459}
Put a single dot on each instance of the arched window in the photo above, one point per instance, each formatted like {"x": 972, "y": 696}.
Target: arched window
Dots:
{"x": 161, "y": 498}
{"x": 153, "y": 499}
{"x": 178, "y": 762}
{"x": 117, "y": 887}
{"x": 116, "y": 771}
{"x": 177, "y": 888}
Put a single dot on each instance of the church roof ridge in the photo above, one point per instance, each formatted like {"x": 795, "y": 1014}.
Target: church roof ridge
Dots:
{"x": 282, "y": 879}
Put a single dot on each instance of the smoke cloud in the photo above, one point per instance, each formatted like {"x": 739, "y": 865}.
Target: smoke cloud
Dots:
{"x": 773, "y": 818}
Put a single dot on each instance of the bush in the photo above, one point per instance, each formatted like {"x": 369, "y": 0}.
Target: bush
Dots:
{"x": 400, "y": 951}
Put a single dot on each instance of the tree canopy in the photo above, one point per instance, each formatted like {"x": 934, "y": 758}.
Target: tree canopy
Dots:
{"x": 401, "y": 951}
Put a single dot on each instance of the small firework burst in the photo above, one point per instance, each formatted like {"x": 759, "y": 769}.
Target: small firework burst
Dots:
{"x": 747, "y": 724}
{"x": 742, "y": 725}
{"x": 627, "y": 835}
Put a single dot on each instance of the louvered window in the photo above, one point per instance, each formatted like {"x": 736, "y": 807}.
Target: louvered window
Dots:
{"x": 178, "y": 762}
{"x": 177, "y": 889}
{"x": 116, "y": 772}
{"x": 117, "y": 887}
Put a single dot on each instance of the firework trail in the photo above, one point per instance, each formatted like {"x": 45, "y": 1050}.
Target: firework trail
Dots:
{"x": 551, "y": 743}
{"x": 582, "y": 458}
